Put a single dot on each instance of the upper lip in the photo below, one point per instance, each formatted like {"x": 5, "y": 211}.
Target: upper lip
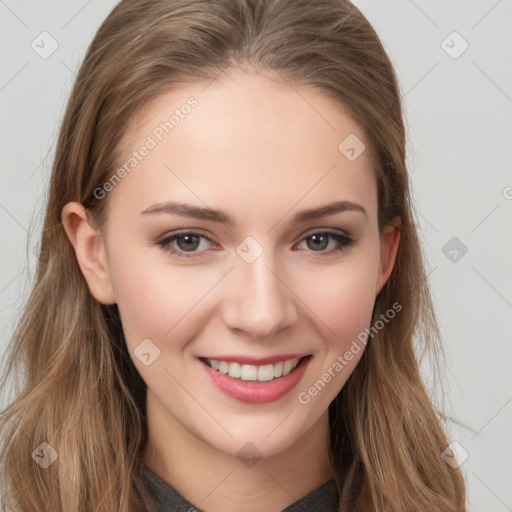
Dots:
{"x": 256, "y": 361}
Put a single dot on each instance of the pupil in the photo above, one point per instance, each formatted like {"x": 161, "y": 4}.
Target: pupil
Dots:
{"x": 316, "y": 238}
{"x": 188, "y": 245}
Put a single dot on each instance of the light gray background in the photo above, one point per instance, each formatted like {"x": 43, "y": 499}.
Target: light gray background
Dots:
{"x": 458, "y": 115}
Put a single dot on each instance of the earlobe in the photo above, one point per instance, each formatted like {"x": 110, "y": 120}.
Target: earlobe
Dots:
{"x": 390, "y": 240}
{"x": 90, "y": 252}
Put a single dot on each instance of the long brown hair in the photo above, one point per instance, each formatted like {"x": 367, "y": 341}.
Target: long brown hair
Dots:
{"x": 76, "y": 386}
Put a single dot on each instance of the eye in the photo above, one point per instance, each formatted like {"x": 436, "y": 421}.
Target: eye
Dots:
{"x": 186, "y": 242}
{"x": 319, "y": 241}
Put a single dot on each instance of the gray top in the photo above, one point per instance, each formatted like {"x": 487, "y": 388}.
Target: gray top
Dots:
{"x": 324, "y": 498}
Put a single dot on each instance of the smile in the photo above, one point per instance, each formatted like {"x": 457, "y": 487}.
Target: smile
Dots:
{"x": 251, "y": 372}
{"x": 244, "y": 380}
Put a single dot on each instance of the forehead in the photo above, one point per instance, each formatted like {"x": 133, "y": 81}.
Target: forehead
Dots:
{"x": 254, "y": 140}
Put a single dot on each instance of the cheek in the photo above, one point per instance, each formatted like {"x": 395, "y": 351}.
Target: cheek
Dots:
{"x": 151, "y": 297}
{"x": 342, "y": 298}
{"x": 349, "y": 309}
{"x": 344, "y": 307}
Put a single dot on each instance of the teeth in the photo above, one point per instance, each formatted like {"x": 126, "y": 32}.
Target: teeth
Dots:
{"x": 287, "y": 367}
{"x": 266, "y": 372}
{"x": 251, "y": 372}
{"x": 223, "y": 367}
{"x": 235, "y": 370}
{"x": 278, "y": 369}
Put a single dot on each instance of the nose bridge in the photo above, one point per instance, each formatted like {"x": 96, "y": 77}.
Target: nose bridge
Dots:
{"x": 259, "y": 302}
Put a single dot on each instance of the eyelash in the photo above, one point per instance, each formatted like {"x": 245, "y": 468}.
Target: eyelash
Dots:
{"x": 344, "y": 240}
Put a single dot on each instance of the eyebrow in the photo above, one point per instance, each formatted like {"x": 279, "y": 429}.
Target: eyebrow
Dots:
{"x": 197, "y": 212}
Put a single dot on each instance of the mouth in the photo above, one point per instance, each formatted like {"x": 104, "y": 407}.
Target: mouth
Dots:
{"x": 270, "y": 380}
{"x": 255, "y": 373}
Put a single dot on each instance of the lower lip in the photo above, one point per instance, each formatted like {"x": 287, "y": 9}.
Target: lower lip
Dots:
{"x": 253, "y": 392}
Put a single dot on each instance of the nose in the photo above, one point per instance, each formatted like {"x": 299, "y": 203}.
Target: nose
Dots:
{"x": 260, "y": 302}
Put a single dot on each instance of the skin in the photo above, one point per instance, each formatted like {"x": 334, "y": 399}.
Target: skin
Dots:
{"x": 261, "y": 151}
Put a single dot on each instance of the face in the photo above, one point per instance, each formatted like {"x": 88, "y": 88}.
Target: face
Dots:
{"x": 222, "y": 257}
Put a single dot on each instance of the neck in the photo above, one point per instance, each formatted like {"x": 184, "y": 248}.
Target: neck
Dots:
{"x": 216, "y": 481}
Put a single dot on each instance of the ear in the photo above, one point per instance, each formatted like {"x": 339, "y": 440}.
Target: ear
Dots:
{"x": 90, "y": 252}
{"x": 389, "y": 241}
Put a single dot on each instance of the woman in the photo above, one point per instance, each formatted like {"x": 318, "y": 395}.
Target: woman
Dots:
{"x": 230, "y": 276}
